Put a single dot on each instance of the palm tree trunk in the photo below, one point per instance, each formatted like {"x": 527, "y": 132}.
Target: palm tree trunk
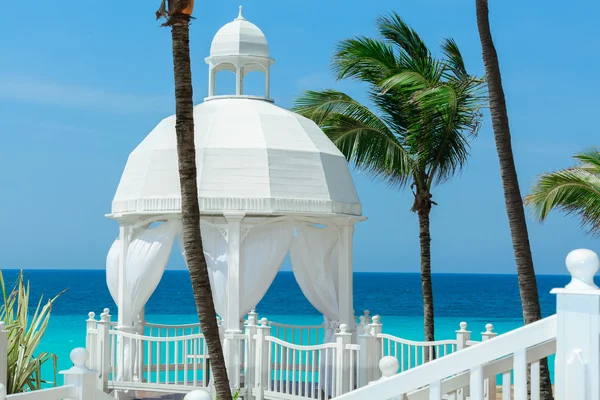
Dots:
{"x": 512, "y": 195}
{"x": 190, "y": 212}
{"x": 423, "y": 211}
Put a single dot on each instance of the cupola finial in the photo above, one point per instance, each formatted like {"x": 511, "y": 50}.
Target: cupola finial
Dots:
{"x": 240, "y": 16}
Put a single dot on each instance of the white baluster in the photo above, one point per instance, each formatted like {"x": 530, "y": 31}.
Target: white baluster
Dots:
{"x": 489, "y": 385}
{"x": 520, "y": 374}
{"x": 476, "y": 383}
{"x": 376, "y": 329}
{"x": 462, "y": 336}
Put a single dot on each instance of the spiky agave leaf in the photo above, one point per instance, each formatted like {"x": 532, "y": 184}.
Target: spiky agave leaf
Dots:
{"x": 25, "y": 332}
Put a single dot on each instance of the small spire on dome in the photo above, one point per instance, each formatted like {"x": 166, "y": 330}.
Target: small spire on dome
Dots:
{"x": 240, "y": 16}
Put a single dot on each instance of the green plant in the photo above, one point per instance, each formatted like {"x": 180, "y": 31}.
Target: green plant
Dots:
{"x": 24, "y": 365}
{"x": 415, "y": 130}
{"x": 575, "y": 190}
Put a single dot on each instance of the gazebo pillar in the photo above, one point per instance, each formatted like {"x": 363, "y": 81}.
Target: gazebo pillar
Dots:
{"x": 345, "y": 284}
{"x": 124, "y": 321}
{"x": 232, "y": 324}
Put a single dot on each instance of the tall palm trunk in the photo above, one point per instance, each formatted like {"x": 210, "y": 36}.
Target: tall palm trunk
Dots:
{"x": 512, "y": 195}
{"x": 190, "y": 212}
{"x": 423, "y": 209}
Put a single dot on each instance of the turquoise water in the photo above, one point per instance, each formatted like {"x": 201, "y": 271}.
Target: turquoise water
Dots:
{"x": 476, "y": 299}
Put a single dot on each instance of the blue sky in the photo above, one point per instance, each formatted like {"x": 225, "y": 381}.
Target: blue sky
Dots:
{"x": 81, "y": 84}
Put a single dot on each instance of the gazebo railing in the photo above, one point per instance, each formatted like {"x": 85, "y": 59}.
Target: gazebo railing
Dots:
{"x": 176, "y": 362}
{"x": 298, "y": 334}
{"x": 269, "y": 363}
{"x": 411, "y": 354}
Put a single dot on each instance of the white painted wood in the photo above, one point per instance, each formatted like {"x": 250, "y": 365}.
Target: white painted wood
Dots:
{"x": 345, "y": 284}
{"x": 522, "y": 338}
{"x": 476, "y": 382}
{"x": 435, "y": 390}
{"x": 535, "y": 380}
{"x": 506, "y": 386}
{"x": 520, "y": 374}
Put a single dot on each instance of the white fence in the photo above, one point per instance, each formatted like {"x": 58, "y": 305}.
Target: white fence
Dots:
{"x": 79, "y": 381}
{"x": 572, "y": 334}
{"x": 268, "y": 360}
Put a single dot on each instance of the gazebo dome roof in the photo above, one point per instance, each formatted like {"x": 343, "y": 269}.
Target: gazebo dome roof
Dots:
{"x": 239, "y": 37}
{"x": 252, "y": 156}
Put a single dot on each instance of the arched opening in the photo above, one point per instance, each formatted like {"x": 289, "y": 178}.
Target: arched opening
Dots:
{"x": 254, "y": 84}
{"x": 255, "y": 80}
{"x": 224, "y": 76}
{"x": 224, "y": 83}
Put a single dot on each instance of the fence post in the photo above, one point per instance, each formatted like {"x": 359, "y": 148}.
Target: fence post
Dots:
{"x": 103, "y": 351}
{"x": 80, "y": 376}
{"x": 250, "y": 365}
{"x": 368, "y": 356}
{"x": 3, "y": 353}
{"x": 462, "y": 336}
{"x": 577, "y": 363}
{"x": 91, "y": 339}
{"x": 377, "y": 347}
{"x": 342, "y": 339}
{"x": 263, "y": 364}
{"x": 489, "y": 384}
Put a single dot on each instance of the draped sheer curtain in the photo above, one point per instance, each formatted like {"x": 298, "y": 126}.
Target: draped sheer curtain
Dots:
{"x": 315, "y": 265}
{"x": 147, "y": 257}
{"x": 263, "y": 250}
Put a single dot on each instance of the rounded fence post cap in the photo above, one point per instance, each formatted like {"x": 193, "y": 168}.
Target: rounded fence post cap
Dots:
{"x": 489, "y": 328}
{"x": 106, "y": 311}
{"x": 79, "y": 357}
{"x": 344, "y": 328}
{"x": 91, "y": 315}
{"x": 582, "y": 265}
{"x": 389, "y": 366}
{"x": 463, "y": 326}
{"x": 197, "y": 395}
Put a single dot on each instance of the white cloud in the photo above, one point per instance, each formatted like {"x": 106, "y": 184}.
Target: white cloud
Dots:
{"x": 79, "y": 97}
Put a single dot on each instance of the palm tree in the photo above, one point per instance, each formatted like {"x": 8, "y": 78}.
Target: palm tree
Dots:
{"x": 178, "y": 14}
{"x": 512, "y": 194}
{"x": 574, "y": 190}
{"x": 417, "y": 133}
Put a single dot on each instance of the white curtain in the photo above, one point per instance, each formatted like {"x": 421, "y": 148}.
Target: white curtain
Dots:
{"x": 147, "y": 258}
{"x": 215, "y": 252}
{"x": 262, "y": 252}
{"x": 315, "y": 265}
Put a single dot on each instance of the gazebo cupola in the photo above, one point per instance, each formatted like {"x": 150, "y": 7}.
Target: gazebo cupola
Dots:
{"x": 239, "y": 47}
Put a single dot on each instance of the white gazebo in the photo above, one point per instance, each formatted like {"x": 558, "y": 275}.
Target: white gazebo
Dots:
{"x": 269, "y": 181}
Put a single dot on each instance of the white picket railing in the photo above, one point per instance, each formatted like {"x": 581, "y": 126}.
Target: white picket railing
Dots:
{"x": 79, "y": 381}
{"x": 173, "y": 363}
{"x": 298, "y": 334}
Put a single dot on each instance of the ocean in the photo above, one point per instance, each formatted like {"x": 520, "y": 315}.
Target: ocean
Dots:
{"x": 475, "y": 299}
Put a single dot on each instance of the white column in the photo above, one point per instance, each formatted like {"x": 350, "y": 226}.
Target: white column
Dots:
{"x": 345, "y": 295}
{"x": 211, "y": 81}
{"x": 267, "y": 82}
{"x": 234, "y": 241}
{"x": 124, "y": 320}
{"x": 231, "y": 347}
{"x": 239, "y": 81}
{"x": 577, "y": 365}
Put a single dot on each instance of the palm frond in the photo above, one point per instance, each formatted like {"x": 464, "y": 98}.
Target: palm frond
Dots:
{"x": 364, "y": 59}
{"x": 363, "y": 138}
{"x": 394, "y": 29}
{"x": 575, "y": 191}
